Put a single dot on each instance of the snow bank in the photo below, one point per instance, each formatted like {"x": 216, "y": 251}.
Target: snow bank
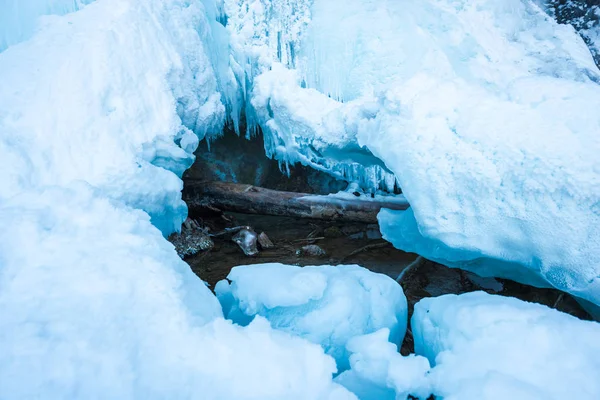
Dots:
{"x": 325, "y": 304}
{"x": 492, "y": 347}
{"x": 484, "y": 112}
{"x": 95, "y": 303}
{"x": 19, "y": 19}
{"x": 486, "y": 196}
{"x": 110, "y": 95}
{"x": 379, "y": 372}
{"x": 99, "y": 113}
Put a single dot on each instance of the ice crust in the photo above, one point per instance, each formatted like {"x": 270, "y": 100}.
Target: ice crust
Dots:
{"x": 94, "y": 303}
{"x": 327, "y": 305}
{"x": 100, "y": 113}
{"x": 483, "y": 112}
{"x": 20, "y": 19}
{"x": 483, "y": 346}
{"x": 102, "y": 96}
{"x": 379, "y": 372}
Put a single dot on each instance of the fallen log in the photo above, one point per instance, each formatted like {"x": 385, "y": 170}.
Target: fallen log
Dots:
{"x": 248, "y": 199}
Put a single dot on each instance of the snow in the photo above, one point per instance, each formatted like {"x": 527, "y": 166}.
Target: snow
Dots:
{"x": 19, "y": 19}
{"x": 327, "y": 305}
{"x": 100, "y": 112}
{"x": 95, "y": 303}
{"x": 72, "y": 109}
{"x": 483, "y": 346}
{"x": 298, "y": 123}
{"x": 483, "y": 112}
{"x": 379, "y": 372}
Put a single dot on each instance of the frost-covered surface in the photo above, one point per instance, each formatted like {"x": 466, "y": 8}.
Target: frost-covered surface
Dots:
{"x": 99, "y": 113}
{"x": 325, "y": 304}
{"x": 299, "y": 125}
{"x": 485, "y": 112}
{"x": 100, "y": 95}
{"x": 379, "y": 372}
{"x": 483, "y": 346}
{"x": 19, "y": 19}
{"x": 94, "y": 303}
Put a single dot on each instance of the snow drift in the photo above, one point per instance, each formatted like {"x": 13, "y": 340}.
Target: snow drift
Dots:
{"x": 20, "y": 19}
{"x": 379, "y": 372}
{"x": 94, "y": 303}
{"x": 491, "y": 347}
{"x": 483, "y": 111}
{"x": 100, "y": 96}
{"x": 100, "y": 113}
{"x": 327, "y": 305}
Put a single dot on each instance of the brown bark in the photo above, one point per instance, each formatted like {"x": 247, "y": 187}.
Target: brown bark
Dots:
{"x": 250, "y": 199}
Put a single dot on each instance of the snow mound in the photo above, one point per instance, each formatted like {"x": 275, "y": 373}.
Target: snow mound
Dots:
{"x": 379, "y": 372}
{"x": 493, "y": 148}
{"x": 483, "y": 112}
{"x": 95, "y": 303}
{"x": 100, "y": 113}
{"x": 483, "y": 346}
{"x": 116, "y": 95}
{"x": 325, "y": 304}
{"x": 19, "y": 19}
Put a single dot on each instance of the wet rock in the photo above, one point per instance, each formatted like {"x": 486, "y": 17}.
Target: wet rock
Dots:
{"x": 264, "y": 241}
{"x": 311, "y": 250}
{"x": 247, "y": 239}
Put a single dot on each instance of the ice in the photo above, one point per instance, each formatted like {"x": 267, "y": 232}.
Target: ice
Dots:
{"x": 483, "y": 112}
{"x": 100, "y": 112}
{"x": 379, "y": 372}
{"x": 325, "y": 304}
{"x": 483, "y": 346}
{"x": 95, "y": 303}
{"x": 104, "y": 95}
{"x": 20, "y": 18}
{"x": 303, "y": 125}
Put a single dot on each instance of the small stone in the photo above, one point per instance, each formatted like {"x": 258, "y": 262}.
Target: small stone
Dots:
{"x": 264, "y": 241}
{"x": 311, "y": 250}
